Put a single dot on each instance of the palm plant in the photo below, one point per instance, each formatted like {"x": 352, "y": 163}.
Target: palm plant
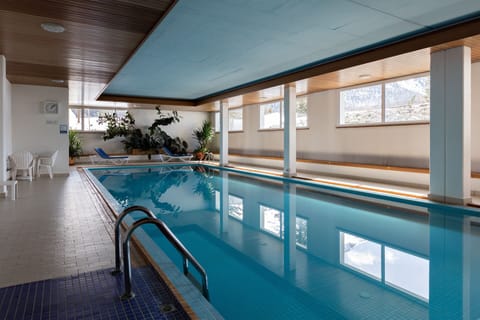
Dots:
{"x": 203, "y": 135}
{"x": 74, "y": 146}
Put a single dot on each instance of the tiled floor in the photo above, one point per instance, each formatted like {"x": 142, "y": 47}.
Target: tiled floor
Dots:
{"x": 92, "y": 295}
{"x": 53, "y": 229}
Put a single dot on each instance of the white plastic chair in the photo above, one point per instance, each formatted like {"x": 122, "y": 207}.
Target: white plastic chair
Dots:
{"x": 22, "y": 161}
{"x": 47, "y": 162}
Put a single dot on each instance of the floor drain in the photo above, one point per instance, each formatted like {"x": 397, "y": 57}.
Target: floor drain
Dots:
{"x": 166, "y": 308}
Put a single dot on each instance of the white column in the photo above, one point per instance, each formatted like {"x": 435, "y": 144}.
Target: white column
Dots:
{"x": 3, "y": 155}
{"x": 223, "y": 133}
{"x": 289, "y": 131}
{"x": 450, "y": 107}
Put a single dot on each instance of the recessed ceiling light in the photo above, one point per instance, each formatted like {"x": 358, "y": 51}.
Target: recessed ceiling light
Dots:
{"x": 57, "y": 81}
{"x": 52, "y": 27}
{"x": 365, "y": 76}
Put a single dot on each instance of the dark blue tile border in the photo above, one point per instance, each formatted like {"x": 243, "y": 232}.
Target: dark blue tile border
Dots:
{"x": 92, "y": 295}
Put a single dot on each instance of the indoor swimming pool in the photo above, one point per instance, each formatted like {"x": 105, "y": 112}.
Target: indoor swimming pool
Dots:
{"x": 275, "y": 248}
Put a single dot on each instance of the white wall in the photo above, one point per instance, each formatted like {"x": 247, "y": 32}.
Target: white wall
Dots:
{"x": 144, "y": 119}
{"x": 38, "y": 132}
{"x": 399, "y": 145}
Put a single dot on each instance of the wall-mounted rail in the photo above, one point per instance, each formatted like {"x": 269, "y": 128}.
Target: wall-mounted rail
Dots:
{"x": 123, "y": 214}
{"x": 186, "y": 255}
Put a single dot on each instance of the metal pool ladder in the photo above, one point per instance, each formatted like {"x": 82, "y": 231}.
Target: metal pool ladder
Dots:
{"x": 127, "y": 268}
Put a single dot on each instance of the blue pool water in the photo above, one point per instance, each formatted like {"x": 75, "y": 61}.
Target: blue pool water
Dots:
{"x": 274, "y": 249}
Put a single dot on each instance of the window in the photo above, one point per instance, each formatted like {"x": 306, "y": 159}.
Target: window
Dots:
{"x": 271, "y": 114}
{"x": 302, "y": 112}
{"x": 75, "y": 119}
{"x": 84, "y": 119}
{"x": 401, "y": 270}
{"x": 235, "y": 120}
{"x": 235, "y": 207}
{"x": 271, "y": 221}
{"x": 217, "y": 121}
{"x": 85, "y": 94}
{"x": 406, "y": 100}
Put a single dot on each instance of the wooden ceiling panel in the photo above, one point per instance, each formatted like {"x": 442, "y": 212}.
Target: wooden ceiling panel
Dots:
{"x": 472, "y": 42}
{"x": 111, "y": 14}
{"x": 99, "y": 37}
{"x": 18, "y": 69}
{"x": 36, "y": 81}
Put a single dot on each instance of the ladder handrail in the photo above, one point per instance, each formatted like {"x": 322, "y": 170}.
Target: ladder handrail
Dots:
{"x": 127, "y": 268}
{"x": 118, "y": 222}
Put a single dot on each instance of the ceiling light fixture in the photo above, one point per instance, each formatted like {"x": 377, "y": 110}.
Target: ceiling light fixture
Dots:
{"x": 57, "y": 81}
{"x": 365, "y": 76}
{"x": 52, "y": 27}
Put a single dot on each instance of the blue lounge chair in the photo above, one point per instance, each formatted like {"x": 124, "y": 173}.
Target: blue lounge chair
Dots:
{"x": 170, "y": 156}
{"x": 113, "y": 159}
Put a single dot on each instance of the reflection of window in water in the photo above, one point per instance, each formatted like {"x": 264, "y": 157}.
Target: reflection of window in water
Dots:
{"x": 407, "y": 272}
{"x": 217, "y": 200}
{"x": 235, "y": 207}
{"x": 301, "y": 232}
{"x": 403, "y": 271}
{"x": 363, "y": 255}
{"x": 271, "y": 221}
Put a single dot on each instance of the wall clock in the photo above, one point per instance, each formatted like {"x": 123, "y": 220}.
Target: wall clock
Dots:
{"x": 50, "y": 107}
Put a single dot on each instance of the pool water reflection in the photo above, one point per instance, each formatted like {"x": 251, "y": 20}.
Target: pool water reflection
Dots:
{"x": 279, "y": 250}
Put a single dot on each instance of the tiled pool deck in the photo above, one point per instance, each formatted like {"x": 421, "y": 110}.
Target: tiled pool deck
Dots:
{"x": 55, "y": 252}
{"x": 91, "y": 295}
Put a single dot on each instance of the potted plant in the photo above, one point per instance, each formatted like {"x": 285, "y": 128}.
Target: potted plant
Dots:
{"x": 203, "y": 135}
{"x": 138, "y": 142}
{"x": 74, "y": 146}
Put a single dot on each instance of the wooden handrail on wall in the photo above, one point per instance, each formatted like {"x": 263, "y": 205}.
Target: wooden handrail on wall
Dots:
{"x": 475, "y": 175}
{"x": 340, "y": 163}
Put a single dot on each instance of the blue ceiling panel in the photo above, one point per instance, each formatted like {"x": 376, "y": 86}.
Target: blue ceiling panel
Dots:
{"x": 204, "y": 47}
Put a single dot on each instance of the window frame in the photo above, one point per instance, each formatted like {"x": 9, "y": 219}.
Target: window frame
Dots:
{"x": 229, "y": 129}
{"x": 382, "y": 123}
{"x": 281, "y": 128}
{"x": 83, "y": 113}
{"x": 217, "y": 123}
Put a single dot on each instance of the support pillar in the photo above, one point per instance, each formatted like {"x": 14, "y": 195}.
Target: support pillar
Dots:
{"x": 289, "y": 131}
{"x": 3, "y": 133}
{"x": 223, "y": 133}
{"x": 450, "y": 107}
